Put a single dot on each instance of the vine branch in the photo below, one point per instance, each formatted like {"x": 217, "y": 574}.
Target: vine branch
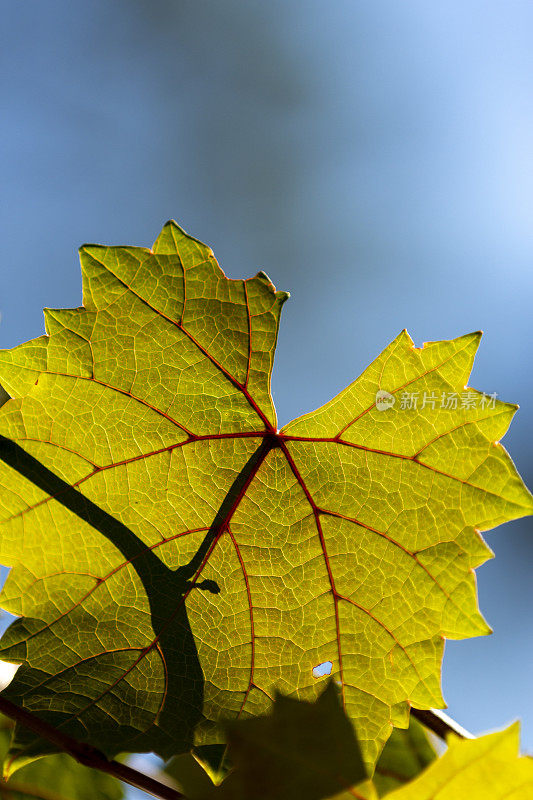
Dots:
{"x": 87, "y": 755}
{"x": 436, "y": 721}
{"x": 440, "y": 723}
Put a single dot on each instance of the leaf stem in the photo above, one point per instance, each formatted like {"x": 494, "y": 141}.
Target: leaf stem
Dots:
{"x": 440, "y": 723}
{"x": 87, "y": 755}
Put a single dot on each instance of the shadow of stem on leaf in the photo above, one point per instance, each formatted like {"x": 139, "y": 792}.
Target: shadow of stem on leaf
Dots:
{"x": 172, "y": 729}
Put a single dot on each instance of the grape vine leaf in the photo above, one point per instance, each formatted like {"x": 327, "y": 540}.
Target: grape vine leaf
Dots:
{"x": 57, "y": 777}
{"x": 405, "y": 755}
{"x": 475, "y": 769}
{"x": 300, "y": 751}
{"x": 191, "y": 776}
{"x": 175, "y": 559}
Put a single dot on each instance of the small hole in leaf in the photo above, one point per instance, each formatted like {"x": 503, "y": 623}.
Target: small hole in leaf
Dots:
{"x": 322, "y": 669}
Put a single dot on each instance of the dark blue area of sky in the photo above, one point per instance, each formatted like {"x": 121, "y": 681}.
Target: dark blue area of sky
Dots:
{"x": 375, "y": 159}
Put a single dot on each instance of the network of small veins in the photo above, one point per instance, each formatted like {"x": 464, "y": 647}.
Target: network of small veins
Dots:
{"x": 273, "y": 438}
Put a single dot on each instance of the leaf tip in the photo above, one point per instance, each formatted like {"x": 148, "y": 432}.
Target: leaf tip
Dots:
{"x": 89, "y": 248}
{"x": 173, "y": 225}
{"x": 265, "y": 279}
{"x": 174, "y": 240}
{"x": 405, "y": 337}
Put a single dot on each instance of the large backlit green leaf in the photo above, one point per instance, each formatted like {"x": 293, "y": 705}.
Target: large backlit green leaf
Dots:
{"x": 487, "y": 768}
{"x": 176, "y": 559}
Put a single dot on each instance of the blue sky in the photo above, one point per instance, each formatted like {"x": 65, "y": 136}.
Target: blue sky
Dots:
{"x": 376, "y": 160}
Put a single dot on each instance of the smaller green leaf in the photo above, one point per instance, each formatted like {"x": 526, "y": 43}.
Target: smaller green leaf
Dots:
{"x": 301, "y": 751}
{"x": 475, "y": 769}
{"x": 191, "y": 778}
{"x": 57, "y": 777}
{"x": 213, "y": 758}
{"x": 405, "y": 755}
{"x": 363, "y": 791}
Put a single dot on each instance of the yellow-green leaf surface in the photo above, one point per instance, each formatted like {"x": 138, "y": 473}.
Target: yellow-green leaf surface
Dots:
{"x": 176, "y": 559}
{"x": 488, "y": 768}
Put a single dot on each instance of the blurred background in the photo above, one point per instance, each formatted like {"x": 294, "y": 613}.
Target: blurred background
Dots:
{"x": 375, "y": 159}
